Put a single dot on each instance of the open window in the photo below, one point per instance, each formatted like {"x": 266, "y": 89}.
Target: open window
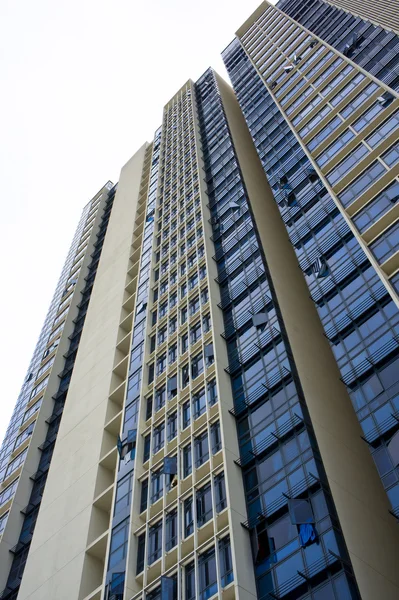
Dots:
{"x": 127, "y": 447}
{"x": 170, "y": 469}
{"x": 355, "y": 42}
{"x": 259, "y": 320}
{"x": 172, "y": 386}
{"x": 386, "y": 99}
{"x": 150, "y": 216}
{"x": 320, "y": 267}
{"x": 290, "y": 199}
{"x": 140, "y": 307}
{"x": 312, "y": 175}
{"x": 209, "y": 354}
{"x": 262, "y": 545}
{"x": 301, "y": 514}
{"x": 168, "y": 588}
{"x": 185, "y": 375}
{"x": 215, "y": 221}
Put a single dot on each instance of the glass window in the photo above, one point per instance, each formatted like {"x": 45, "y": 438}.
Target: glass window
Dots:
{"x": 172, "y": 426}
{"x": 162, "y": 334}
{"x": 226, "y": 564}
{"x": 199, "y": 404}
{"x": 197, "y": 365}
{"x": 188, "y": 517}
{"x": 185, "y": 376}
{"x": 220, "y": 492}
{"x": 216, "y": 438}
{"x": 381, "y": 204}
{"x": 195, "y": 332}
{"x": 123, "y": 494}
{"x": 119, "y": 542}
{"x": 158, "y": 437}
{"x": 161, "y": 364}
{"x": 187, "y": 461}
{"x": 361, "y": 183}
{"x": 171, "y": 530}
{"x": 24, "y": 435}
{"x": 204, "y": 505}
{"x": 367, "y": 117}
{"x": 155, "y": 542}
{"x": 194, "y": 305}
{"x": 201, "y": 449}
{"x": 147, "y": 447}
{"x": 308, "y": 108}
{"x": 335, "y": 147}
{"x": 315, "y": 121}
{"x": 3, "y": 522}
{"x": 324, "y": 133}
{"x": 346, "y": 89}
{"x": 348, "y": 163}
{"x": 391, "y": 156}
{"x": 136, "y": 384}
{"x": 206, "y": 323}
{"x": 207, "y": 574}
{"x": 160, "y": 398}
{"x": 193, "y": 281}
{"x": 384, "y": 130}
{"x": 36, "y": 390}
{"x": 184, "y": 343}
{"x": 140, "y": 552}
{"x": 156, "y": 486}
{"x": 172, "y": 325}
{"x": 186, "y": 414}
{"x": 190, "y": 581}
{"x": 387, "y": 244}
{"x": 337, "y": 79}
{"x": 359, "y": 100}
{"x": 8, "y": 493}
{"x": 17, "y": 462}
{"x": 212, "y": 392}
{"x": 144, "y": 495}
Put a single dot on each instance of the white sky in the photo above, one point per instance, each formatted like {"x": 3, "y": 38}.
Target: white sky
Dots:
{"x": 83, "y": 84}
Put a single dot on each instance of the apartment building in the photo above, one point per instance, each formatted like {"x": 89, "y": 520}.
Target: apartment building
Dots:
{"x": 217, "y": 380}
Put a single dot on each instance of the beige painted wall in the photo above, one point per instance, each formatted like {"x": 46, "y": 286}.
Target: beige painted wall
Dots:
{"x": 54, "y": 567}
{"x": 370, "y": 532}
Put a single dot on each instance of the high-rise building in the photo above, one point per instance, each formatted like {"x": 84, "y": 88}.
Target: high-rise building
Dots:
{"x": 221, "y": 411}
{"x": 373, "y": 46}
{"x": 30, "y": 438}
{"x": 316, "y": 86}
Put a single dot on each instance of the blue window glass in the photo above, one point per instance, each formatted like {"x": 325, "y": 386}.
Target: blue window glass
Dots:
{"x": 381, "y": 204}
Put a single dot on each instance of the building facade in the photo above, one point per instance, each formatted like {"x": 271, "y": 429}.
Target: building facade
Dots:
{"x": 28, "y": 445}
{"x": 309, "y": 91}
{"x": 374, "y": 47}
{"x": 217, "y": 384}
